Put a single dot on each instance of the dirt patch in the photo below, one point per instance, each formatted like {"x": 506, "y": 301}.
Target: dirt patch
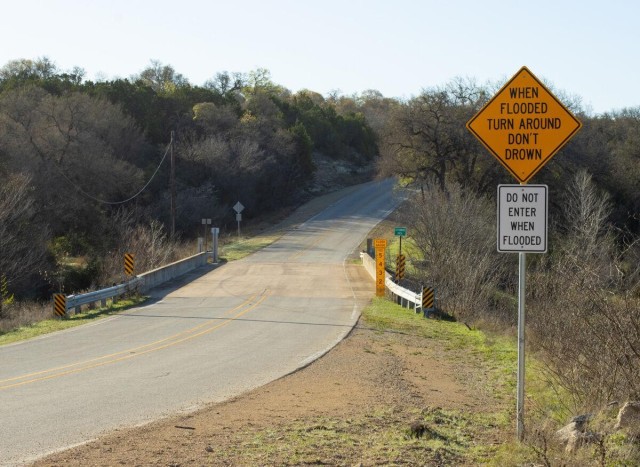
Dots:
{"x": 340, "y": 410}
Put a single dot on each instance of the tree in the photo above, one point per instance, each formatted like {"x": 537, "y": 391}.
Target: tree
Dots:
{"x": 23, "y": 69}
{"x": 75, "y": 149}
{"x": 419, "y": 144}
{"x": 303, "y": 149}
{"x": 426, "y": 139}
{"x": 214, "y": 119}
{"x": 163, "y": 79}
{"x": 454, "y": 232}
{"x": 259, "y": 80}
{"x": 22, "y": 237}
{"x": 376, "y": 109}
{"x": 227, "y": 84}
{"x": 41, "y": 72}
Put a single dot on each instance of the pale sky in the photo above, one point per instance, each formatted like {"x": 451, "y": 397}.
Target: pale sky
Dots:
{"x": 581, "y": 47}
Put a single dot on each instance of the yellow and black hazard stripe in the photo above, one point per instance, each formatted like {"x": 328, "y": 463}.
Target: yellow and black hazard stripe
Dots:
{"x": 128, "y": 264}
{"x": 60, "y": 304}
{"x": 400, "y": 267}
{"x": 428, "y": 298}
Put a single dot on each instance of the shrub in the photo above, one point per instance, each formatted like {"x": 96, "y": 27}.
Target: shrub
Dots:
{"x": 455, "y": 234}
{"x": 585, "y": 317}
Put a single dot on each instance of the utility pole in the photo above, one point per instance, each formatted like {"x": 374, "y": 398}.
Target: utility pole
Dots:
{"x": 172, "y": 184}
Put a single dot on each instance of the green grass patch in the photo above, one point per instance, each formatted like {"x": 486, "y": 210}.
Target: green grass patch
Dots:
{"x": 498, "y": 350}
{"x": 457, "y": 433}
{"x": 58, "y": 324}
{"x": 375, "y": 438}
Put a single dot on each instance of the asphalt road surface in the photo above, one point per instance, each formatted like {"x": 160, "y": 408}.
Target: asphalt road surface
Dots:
{"x": 221, "y": 333}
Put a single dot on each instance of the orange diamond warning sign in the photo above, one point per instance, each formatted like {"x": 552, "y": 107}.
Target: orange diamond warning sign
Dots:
{"x": 524, "y": 125}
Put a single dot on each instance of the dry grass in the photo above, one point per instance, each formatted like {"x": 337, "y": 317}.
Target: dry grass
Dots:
{"x": 20, "y": 314}
{"x": 30, "y": 319}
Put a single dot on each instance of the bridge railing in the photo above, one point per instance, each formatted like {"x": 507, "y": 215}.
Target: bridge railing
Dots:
{"x": 404, "y": 297}
{"x": 141, "y": 283}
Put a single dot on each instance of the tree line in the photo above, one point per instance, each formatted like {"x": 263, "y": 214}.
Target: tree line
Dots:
{"x": 76, "y": 153}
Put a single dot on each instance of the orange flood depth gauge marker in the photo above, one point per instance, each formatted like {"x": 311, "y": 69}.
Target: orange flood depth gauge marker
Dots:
{"x": 380, "y": 245}
{"x": 524, "y": 125}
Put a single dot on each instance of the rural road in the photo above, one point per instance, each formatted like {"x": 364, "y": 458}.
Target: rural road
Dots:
{"x": 221, "y": 333}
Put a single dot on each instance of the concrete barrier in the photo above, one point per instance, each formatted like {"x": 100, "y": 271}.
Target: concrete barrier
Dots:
{"x": 163, "y": 274}
{"x": 142, "y": 283}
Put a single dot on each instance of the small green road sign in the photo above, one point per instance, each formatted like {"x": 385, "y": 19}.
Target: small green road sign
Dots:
{"x": 401, "y": 231}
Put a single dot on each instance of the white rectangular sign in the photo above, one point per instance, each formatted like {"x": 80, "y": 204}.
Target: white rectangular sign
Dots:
{"x": 522, "y": 218}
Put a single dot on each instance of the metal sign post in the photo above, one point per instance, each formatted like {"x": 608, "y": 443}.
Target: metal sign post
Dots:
{"x": 400, "y": 232}
{"x": 215, "y": 231}
{"x": 522, "y": 279}
{"x": 238, "y": 208}
{"x": 523, "y": 126}
{"x": 522, "y": 223}
{"x": 205, "y": 222}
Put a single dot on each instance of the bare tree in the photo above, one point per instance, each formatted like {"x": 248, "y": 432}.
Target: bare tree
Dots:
{"x": 162, "y": 78}
{"x": 456, "y": 236}
{"x": 425, "y": 139}
{"x": 148, "y": 242}
{"x": 22, "y": 238}
{"x": 82, "y": 143}
{"x": 226, "y": 83}
{"x": 586, "y": 310}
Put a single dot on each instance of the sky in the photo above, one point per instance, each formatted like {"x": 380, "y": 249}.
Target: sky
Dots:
{"x": 585, "y": 49}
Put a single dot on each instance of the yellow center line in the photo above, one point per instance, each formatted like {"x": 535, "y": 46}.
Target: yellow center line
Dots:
{"x": 134, "y": 352}
{"x": 127, "y": 351}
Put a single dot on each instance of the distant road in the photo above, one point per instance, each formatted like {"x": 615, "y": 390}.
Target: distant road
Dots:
{"x": 227, "y": 331}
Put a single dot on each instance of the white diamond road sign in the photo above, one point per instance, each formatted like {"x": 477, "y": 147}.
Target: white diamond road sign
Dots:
{"x": 238, "y": 207}
{"x": 522, "y": 218}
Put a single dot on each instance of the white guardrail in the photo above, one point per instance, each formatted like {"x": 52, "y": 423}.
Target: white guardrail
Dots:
{"x": 412, "y": 299}
{"x": 141, "y": 283}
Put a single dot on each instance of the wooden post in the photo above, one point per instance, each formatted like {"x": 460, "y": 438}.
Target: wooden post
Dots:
{"x": 172, "y": 183}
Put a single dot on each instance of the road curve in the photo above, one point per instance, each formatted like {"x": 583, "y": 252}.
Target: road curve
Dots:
{"x": 225, "y": 331}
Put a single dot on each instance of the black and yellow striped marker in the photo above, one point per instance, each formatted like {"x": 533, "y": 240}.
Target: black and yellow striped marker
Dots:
{"x": 400, "y": 267}
{"x": 128, "y": 264}
{"x": 428, "y": 298}
{"x": 60, "y": 304}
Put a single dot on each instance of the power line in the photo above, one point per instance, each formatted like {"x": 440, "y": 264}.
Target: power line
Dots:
{"x": 90, "y": 196}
